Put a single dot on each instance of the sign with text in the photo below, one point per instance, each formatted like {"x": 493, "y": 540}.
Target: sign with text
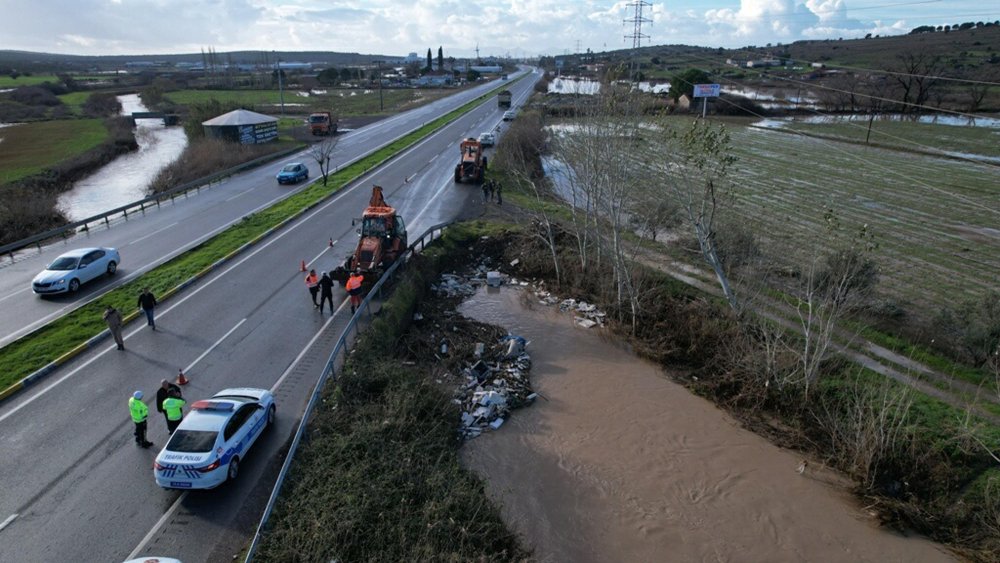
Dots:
{"x": 706, "y": 90}
{"x": 258, "y": 133}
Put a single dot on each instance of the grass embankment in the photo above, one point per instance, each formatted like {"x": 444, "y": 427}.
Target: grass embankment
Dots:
{"x": 58, "y": 338}
{"x": 378, "y": 477}
{"x": 31, "y": 148}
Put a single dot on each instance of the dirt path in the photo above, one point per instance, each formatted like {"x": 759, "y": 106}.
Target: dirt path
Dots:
{"x": 620, "y": 464}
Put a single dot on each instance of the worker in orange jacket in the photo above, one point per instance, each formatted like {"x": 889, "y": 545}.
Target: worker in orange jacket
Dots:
{"x": 353, "y": 287}
{"x": 312, "y": 282}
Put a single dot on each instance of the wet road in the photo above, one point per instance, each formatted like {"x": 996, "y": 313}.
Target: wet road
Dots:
{"x": 74, "y": 483}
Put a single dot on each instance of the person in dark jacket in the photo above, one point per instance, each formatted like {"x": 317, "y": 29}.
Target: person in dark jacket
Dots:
{"x": 325, "y": 292}
{"x": 147, "y": 302}
{"x": 161, "y": 395}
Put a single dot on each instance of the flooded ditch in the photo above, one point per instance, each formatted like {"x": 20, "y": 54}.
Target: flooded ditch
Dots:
{"x": 620, "y": 464}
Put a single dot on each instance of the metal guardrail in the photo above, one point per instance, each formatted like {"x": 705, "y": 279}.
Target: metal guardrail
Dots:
{"x": 138, "y": 206}
{"x": 329, "y": 370}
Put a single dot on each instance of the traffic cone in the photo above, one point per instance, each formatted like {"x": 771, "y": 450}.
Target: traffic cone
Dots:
{"x": 302, "y": 268}
{"x": 181, "y": 380}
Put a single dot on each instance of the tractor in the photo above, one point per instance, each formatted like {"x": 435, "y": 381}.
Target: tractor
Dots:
{"x": 472, "y": 168}
{"x": 382, "y": 242}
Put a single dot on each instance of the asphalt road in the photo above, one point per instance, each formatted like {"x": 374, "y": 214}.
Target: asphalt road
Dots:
{"x": 75, "y": 487}
{"x": 148, "y": 239}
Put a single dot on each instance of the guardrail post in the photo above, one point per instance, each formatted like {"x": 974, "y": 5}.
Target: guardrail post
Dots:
{"x": 125, "y": 213}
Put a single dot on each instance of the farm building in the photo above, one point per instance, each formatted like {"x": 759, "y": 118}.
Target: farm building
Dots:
{"x": 242, "y": 126}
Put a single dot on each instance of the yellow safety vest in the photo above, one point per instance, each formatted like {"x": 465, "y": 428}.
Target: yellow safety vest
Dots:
{"x": 138, "y": 409}
{"x": 174, "y": 408}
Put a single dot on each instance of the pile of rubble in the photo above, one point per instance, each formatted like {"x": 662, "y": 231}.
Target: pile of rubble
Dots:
{"x": 493, "y": 388}
{"x": 586, "y": 314}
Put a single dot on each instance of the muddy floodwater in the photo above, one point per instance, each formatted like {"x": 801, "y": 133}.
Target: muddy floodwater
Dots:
{"x": 620, "y": 464}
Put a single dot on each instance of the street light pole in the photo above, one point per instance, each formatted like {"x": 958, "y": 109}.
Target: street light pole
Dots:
{"x": 281, "y": 91}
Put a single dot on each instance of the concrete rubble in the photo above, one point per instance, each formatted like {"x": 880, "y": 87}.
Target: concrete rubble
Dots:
{"x": 493, "y": 388}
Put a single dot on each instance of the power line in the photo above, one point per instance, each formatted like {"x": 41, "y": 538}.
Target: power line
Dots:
{"x": 637, "y": 35}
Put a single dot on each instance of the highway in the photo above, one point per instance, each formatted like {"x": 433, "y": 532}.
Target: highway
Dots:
{"x": 75, "y": 485}
{"x": 149, "y": 239}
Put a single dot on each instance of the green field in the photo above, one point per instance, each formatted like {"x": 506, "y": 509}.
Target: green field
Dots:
{"x": 8, "y": 82}
{"x": 30, "y": 148}
{"x": 344, "y": 102}
{"x": 75, "y": 99}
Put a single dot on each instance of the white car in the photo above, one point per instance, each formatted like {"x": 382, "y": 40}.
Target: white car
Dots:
{"x": 487, "y": 139}
{"x": 75, "y": 268}
{"x": 509, "y": 115}
{"x": 206, "y": 449}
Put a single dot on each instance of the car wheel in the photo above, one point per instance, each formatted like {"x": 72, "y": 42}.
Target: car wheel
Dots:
{"x": 112, "y": 268}
{"x": 234, "y": 468}
{"x": 74, "y": 285}
{"x": 270, "y": 415}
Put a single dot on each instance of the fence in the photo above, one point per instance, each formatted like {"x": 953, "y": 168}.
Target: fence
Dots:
{"x": 138, "y": 206}
{"x": 330, "y": 371}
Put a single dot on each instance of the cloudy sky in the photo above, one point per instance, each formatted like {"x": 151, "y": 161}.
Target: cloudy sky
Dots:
{"x": 397, "y": 27}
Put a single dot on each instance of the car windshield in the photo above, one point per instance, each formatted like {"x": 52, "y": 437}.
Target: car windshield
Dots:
{"x": 63, "y": 263}
{"x": 317, "y": 119}
{"x": 192, "y": 441}
{"x": 290, "y": 168}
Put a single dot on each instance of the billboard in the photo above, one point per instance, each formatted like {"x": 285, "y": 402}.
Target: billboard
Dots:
{"x": 706, "y": 90}
{"x": 258, "y": 133}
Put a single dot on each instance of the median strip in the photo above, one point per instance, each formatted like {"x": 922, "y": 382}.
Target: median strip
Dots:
{"x": 31, "y": 357}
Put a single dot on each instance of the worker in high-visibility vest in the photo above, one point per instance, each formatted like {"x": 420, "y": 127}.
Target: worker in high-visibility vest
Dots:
{"x": 140, "y": 412}
{"x": 353, "y": 287}
{"x": 173, "y": 406}
{"x": 312, "y": 282}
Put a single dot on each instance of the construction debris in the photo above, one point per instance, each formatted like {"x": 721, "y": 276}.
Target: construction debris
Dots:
{"x": 493, "y": 388}
{"x": 586, "y": 314}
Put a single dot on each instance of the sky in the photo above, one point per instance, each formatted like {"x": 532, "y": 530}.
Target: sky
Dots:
{"x": 516, "y": 28}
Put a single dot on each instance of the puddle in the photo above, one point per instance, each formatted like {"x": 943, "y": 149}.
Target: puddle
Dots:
{"x": 620, "y": 464}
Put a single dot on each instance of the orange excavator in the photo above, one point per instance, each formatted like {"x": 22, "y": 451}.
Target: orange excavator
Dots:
{"x": 472, "y": 168}
{"x": 383, "y": 240}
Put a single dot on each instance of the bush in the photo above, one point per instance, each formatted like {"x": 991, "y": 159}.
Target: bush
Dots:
{"x": 101, "y": 104}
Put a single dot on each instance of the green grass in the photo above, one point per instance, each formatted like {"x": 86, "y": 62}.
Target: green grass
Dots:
{"x": 32, "y": 352}
{"x": 8, "y": 82}
{"x": 75, "y": 99}
{"x": 246, "y": 97}
{"x": 909, "y": 135}
{"x": 343, "y": 102}
{"x": 30, "y": 148}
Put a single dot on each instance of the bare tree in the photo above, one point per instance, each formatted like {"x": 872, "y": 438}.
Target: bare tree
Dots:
{"x": 321, "y": 153}
{"x": 916, "y": 73}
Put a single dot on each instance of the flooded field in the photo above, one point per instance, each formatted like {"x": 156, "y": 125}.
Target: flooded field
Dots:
{"x": 620, "y": 464}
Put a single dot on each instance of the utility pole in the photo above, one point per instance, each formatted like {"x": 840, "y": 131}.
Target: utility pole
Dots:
{"x": 381, "y": 105}
{"x": 637, "y": 35}
{"x": 281, "y": 90}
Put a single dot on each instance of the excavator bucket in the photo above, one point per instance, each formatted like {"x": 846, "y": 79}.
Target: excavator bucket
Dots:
{"x": 377, "y": 200}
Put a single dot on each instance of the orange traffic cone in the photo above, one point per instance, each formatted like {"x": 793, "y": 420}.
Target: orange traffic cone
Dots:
{"x": 302, "y": 268}
{"x": 181, "y": 380}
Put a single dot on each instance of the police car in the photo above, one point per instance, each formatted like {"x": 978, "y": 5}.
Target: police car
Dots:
{"x": 206, "y": 449}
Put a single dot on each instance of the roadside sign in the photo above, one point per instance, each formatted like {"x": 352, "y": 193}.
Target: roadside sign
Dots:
{"x": 706, "y": 90}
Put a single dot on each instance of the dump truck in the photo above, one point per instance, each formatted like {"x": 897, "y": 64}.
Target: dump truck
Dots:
{"x": 382, "y": 241}
{"x": 472, "y": 167}
{"x": 322, "y": 123}
{"x": 503, "y": 99}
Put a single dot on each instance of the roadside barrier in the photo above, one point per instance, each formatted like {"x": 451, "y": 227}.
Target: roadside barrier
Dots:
{"x": 330, "y": 371}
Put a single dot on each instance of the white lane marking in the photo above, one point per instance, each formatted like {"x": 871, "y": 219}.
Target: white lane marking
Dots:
{"x": 433, "y": 158}
{"x": 159, "y": 524}
{"x": 157, "y": 231}
{"x": 430, "y": 200}
{"x": 241, "y": 194}
{"x": 214, "y": 346}
{"x": 9, "y": 295}
{"x": 7, "y": 522}
{"x": 261, "y": 248}
{"x": 317, "y": 257}
{"x": 308, "y": 345}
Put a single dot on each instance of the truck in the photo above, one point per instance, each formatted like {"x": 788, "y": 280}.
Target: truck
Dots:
{"x": 322, "y": 123}
{"x": 503, "y": 99}
{"x": 382, "y": 240}
{"x": 472, "y": 167}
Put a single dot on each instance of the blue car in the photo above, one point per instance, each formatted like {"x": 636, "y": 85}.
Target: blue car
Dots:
{"x": 293, "y": 173}
{"x": 206, "y": 449}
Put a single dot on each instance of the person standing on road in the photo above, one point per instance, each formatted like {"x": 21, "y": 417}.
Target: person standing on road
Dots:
{"x": 147, "y": 302}
{"x": 312, "y": 282}
{"x": 114, "y": 320}
{"x": 499, "y": 197}
{"x": 139, "y": 412}
{"x": 166, "y": 388}
{"x": 325, "y": 292}
{"x": 486, "y": 191}
{"x": 173, "y": 407}
{"x": 354, "y": 288}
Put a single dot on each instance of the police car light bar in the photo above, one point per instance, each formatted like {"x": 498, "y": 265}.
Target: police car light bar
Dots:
{"x": 212, "y": 406}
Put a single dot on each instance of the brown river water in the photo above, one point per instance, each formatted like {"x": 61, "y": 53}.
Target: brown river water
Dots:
{"x": 620, "y": 464}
